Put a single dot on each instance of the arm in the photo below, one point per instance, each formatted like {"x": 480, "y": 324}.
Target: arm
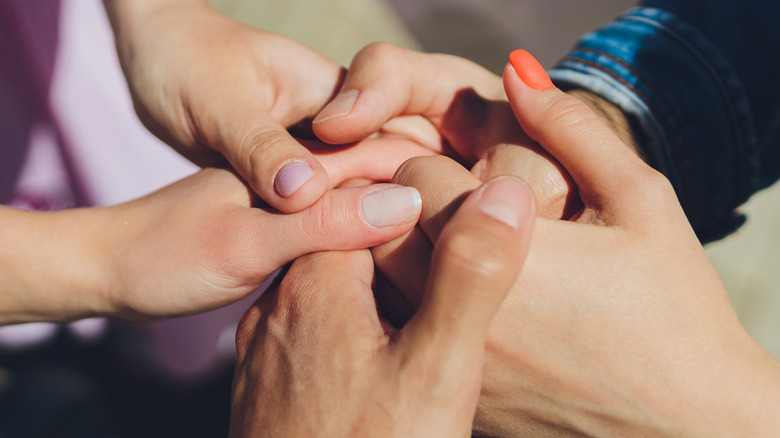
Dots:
{"x": 192, "y": 246}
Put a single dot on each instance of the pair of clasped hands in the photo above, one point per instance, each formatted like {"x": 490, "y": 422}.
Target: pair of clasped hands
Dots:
{"x": 528, "y": 273}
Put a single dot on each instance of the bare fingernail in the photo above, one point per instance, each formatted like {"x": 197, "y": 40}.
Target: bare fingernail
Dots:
{"x": 291, "y": 177}
{"x": 391, "y": 207}
{"x": 339, "y": 107}
{"x": 506, "y": 200}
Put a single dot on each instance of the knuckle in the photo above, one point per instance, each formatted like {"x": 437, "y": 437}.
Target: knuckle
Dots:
{"x": 378, "y": 52}
{"x": 564, "y": 112}
{"x": 322, "y": 220}
{"x": 477, "y": 252}
{"x": 255, "y": 146}
{"x": 247, "y": 326}
{"x": 551, "y": 191}
{"x": 417, "y": 167}
{"x": 655, "y": 187}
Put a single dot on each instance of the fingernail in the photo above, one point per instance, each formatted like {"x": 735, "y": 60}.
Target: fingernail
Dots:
{"x": 391, "y": 207}
{"x": 529, "y": 70}
{"x": 506, "y": 200}
{"x": 338, "y": 107}
{"x": 291, "y": 177}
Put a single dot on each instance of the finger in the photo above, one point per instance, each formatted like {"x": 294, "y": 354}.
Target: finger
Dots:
{"x": 330, "y": 286}
{"x": 476, "y": 261}
{"x": 376, "y": 159}
{"x": 385, "y": 81}
{"x": 343, "y": 219}
{"x": 554, "y": 192}
{"x": 603, "y": 168}
{"x": 405, "y": 262}
{"x": 442, "y": 194}
{"x": 277, "y": 167}
{"x": 391, "y": 302}
{"x": 322, "y": 296}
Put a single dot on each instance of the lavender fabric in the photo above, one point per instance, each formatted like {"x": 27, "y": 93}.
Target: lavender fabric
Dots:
{"x": 69, "y": 138}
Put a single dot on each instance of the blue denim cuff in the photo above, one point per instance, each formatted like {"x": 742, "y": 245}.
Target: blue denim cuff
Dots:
{"x": 691, "y": 116}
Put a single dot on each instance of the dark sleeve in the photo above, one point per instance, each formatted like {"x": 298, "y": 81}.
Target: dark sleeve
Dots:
{"x": 700, "y": 81}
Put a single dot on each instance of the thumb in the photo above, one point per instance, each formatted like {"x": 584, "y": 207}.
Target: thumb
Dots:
{"x": 477, "y": 260}
{"x": 601, "y": 165}
{"x": 343, "y": 219}
{"x": 276, "y": 166}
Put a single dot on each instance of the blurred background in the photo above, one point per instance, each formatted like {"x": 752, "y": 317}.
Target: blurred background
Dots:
{"x": 133, "y": 380}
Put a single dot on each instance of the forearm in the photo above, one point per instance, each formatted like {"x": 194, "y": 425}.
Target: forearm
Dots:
{"x": 51, "y": 265}
{"x": 123, "y": 13}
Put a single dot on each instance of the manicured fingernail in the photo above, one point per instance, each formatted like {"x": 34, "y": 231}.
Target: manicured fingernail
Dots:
{"x": 391, "y": 207}
{"x": 506, "y": 200}
{"x": 529, "y": 70}
{"x": 338, "y": 107}
{"x": 291, "y": 177}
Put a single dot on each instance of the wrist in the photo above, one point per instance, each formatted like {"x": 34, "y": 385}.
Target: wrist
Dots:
{"x": 611, "y": 115}
{"x": 129, "y": 13}
{"x": 131, "y": 20}
{"x": 729, "y": 390}
{"x": 741, "y": 396}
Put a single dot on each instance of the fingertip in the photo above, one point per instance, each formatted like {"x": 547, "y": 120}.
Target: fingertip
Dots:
{"x": 508, "y": 200}
{"x": 298, "y": 184}
{"x": 529, "y": 70}
{"x": 339, "y": 107}
{"x": 477, "y": 260}
{"x": 392, "y": 207}
{"x": 354, "y": 114}
{"x": 291, "y": 177}
{"x": 276, "y": 166}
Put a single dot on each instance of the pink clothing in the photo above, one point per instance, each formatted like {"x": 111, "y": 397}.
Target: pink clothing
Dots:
{"x": 69, "y": 137}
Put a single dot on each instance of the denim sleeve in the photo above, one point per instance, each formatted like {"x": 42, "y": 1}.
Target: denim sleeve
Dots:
{"x": 700, "y": 82}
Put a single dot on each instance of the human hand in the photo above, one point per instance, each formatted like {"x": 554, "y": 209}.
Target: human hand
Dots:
{"x": 618, "y": 324}
{"x": 192, "y": 246}
{"x": 315, "y": 358}
{"x": 450, "y": 105}
{"x": 199, "y": 243}
{"x": 217, "y": 89}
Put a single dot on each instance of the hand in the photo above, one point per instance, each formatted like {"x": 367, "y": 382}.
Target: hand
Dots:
{"x": 214, "y": 88}
{"x": 198, "y": 244}
{"x": 618, "y": 325}
{"x": 450, "y": 105}
{"x": 192, "y": 246}
{"x": 315, "y": 358}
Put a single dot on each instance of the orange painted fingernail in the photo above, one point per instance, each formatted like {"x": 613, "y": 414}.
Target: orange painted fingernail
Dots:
{"x": 529, "y": 70}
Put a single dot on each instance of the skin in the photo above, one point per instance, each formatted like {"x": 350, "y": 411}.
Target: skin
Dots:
{"x": 659, "y": 332}
{"x": 316, "y": 358}
{"x": 469, "y": 115}
{"x": 618, "y": 324}
{"x": 195, "y": 245}
{"x": 216, "y": 89}
{"x": 243, "y": 87}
